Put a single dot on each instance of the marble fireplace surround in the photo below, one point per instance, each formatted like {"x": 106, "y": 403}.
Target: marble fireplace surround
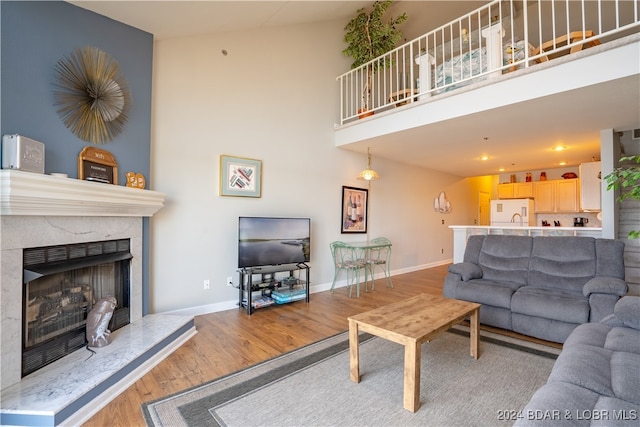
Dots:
{"x": 41, "y": 210}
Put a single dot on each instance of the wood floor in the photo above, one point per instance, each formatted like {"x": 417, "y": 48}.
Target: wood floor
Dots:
{"x": 231, "y": 340}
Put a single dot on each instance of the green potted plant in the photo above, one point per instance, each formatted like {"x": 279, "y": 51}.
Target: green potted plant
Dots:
{"x": 369, "y": 37}
{"x": 627, "y": 177}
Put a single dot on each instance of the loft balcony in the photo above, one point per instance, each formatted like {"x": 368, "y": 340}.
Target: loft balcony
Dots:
{"x": 507, "y": 69}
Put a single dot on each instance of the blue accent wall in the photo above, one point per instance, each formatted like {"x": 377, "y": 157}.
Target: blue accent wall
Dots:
{"x": 34, "y": 36}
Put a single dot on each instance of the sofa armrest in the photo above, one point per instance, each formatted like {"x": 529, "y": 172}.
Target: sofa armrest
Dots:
{"x": 466, "y": 270}
{"x": 625, "y": 313}
{"x": 605, "y": 285}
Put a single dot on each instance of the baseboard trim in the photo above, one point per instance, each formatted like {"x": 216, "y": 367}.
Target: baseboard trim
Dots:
{"x": 228, "y": 305}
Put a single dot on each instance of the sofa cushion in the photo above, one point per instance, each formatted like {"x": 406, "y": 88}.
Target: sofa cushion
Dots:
{"x": 472, "y": 250}
{"x": 553, "y": 304}
{"x": 505, "y": 258}
{"x": 489, "y": 292}
{"x": 563, "y": 404}
{"x": 562, "y": 263}
{"x": 585, "y": 366}
{"x": 623, "y": 339}
{"x": 594, "y": 334}
{"x": 601, "y": 370}
{"x": 625, "y": 376}
{"x": 615, "y": 412}
{"x": 614, "y": 338}
{"x": 610, "y": 259}
{"x": 562, "y": 401}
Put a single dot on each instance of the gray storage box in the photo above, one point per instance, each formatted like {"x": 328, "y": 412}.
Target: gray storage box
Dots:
{"x": 22, "y": 153}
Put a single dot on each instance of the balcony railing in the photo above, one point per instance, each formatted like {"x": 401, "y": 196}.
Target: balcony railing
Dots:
{"x": 498, "y": 38}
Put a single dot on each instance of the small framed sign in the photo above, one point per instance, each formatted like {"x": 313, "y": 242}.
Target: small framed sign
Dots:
{"x": 97, "y": 165}
{"x": 240, "y": 177}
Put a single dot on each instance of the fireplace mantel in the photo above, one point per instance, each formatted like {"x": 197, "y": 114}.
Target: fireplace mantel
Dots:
{"x": 26, "y": 193}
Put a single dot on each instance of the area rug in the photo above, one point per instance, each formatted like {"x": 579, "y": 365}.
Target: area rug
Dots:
{"x": 311, "y": 386}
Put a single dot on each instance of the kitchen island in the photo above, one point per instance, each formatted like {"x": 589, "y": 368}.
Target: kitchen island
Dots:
{"x": 462, "y": 232}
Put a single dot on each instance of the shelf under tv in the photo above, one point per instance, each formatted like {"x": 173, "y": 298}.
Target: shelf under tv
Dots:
{"x": 272, "y": 279}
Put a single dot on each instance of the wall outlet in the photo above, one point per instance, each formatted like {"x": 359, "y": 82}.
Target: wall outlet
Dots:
{"x": 207, "y": 284}
{"x": 229, "y": 281}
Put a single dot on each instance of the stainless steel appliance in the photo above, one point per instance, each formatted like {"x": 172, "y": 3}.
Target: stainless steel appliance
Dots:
{"x": 580, "y": 221}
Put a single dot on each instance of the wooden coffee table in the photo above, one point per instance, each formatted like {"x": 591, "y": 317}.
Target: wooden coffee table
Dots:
{"x": 410, "y": 323}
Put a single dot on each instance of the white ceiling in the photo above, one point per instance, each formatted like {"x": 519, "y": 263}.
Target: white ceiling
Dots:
{"x": 519, "y": 137}
{"x": 169, "y": 19}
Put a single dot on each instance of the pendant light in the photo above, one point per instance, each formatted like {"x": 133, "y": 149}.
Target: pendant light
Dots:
{"x": 368, "y": 174}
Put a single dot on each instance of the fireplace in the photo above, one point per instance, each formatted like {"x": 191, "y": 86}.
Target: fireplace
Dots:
{"x": 61, "y": 285}
{"x": 39, "y": 211}
{"x": 67, "y": 217}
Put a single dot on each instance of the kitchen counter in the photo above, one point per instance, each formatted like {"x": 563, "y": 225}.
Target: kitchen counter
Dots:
{"x": 462, "y": 232}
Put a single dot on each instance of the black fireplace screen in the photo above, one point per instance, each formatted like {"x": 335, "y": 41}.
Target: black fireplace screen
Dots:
{"x": 61, "y": 284}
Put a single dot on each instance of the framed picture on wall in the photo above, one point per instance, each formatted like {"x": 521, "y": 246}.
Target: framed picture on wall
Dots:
{"x": 354, "y": 210}
{"x": 240, "y": 177}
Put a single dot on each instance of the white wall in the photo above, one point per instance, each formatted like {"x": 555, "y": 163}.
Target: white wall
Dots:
{"x": 273, "y": 97}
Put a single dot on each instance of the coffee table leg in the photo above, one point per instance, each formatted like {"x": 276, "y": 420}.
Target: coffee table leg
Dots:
{"x": 354, "y": 352}
{"x": 475, "y": 333}
{"x": 412, "y": 376}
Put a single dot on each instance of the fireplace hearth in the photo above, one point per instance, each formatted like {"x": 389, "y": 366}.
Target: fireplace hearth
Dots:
{"x": 61, "y": 285}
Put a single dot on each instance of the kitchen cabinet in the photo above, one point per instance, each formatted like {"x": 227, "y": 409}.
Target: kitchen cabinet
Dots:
{"x": 523, "y": 190}
{"x": 516, "y": 190}
{"x": 544, "y": 196}
{"x": 557, "y": 196}
{"x": 590, "y": 186}
{"x": 505, "y": 191}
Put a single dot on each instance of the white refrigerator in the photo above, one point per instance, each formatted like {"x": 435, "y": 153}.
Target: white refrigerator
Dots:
{"x": 512, "y": 213}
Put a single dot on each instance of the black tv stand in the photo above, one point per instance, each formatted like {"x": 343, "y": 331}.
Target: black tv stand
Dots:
{"x": 273, "y": 285}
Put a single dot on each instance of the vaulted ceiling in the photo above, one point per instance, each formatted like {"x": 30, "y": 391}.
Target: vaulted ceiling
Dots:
{"x": 572, "y": 119}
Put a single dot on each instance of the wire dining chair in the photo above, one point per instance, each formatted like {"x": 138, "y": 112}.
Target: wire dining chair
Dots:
{"x": 379, "y": 256}
{"x": 351, "y": 260}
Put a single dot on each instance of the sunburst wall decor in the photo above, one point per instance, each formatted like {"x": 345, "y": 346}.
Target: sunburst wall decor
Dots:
{"x": 93, "y": 96}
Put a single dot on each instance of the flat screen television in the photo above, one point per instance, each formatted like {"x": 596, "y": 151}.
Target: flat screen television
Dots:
{"x": 267, "y": 241}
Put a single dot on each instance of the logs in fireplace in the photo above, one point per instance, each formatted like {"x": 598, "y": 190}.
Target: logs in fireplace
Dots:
{"x": 61, "y": 284}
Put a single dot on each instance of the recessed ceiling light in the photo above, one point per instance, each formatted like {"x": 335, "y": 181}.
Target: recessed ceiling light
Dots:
{"x": 485, "y": 157}
{"x": 563, "y": 163}
{"x": 501, "y": 170}
{"x": 559, "y": 148}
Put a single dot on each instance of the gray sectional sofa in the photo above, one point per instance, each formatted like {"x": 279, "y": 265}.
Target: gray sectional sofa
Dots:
{"x": 596, "y": 379}
{"x": 543, "y": 287}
